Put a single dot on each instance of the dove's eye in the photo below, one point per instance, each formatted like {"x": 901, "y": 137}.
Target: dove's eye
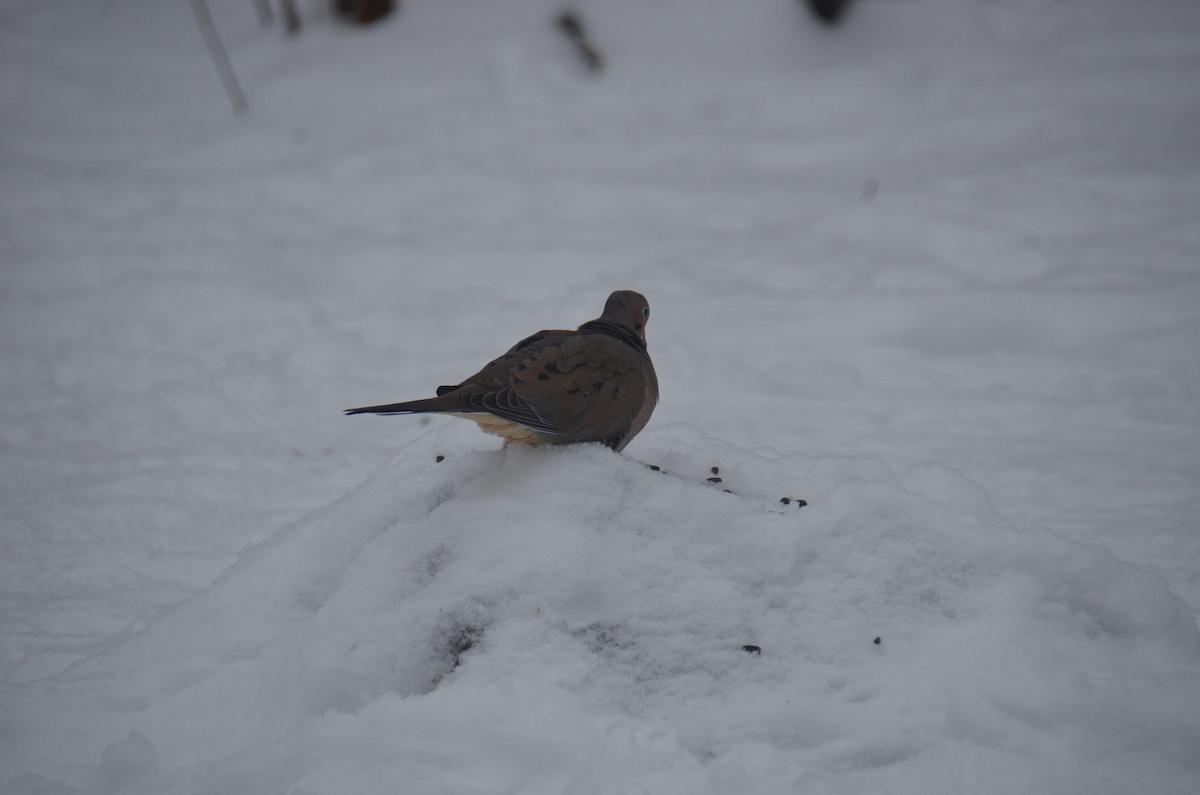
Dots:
{"x": 646, "y": 312}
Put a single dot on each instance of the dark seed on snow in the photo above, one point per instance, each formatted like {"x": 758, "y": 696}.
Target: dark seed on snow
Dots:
{"x": 716, "y": 470}
{"x": 786, "y": 500}
{"x": 714, "y": 480}
{"x": 656, "y": 468}
{"x": 878, "y": 641}
{"x": 752, "y": 649}
{"x": 441, "y": 458}
{"x": 801, "y": 503}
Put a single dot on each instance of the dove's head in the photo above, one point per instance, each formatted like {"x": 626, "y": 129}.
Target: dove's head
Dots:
{"x": 627, "y": 308}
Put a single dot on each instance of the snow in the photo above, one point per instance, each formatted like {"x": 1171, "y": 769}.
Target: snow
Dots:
{"x": 934, "y": 272}
{"x": 570, "y": 620}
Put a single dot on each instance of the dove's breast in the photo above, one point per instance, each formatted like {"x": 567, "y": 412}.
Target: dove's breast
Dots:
{"x": 498, "y": 426}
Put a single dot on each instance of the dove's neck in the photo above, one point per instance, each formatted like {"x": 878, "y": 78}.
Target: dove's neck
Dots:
{"x": 623, "y": 333}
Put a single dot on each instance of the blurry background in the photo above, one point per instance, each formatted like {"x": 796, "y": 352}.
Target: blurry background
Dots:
{"x": 960, "y": 231}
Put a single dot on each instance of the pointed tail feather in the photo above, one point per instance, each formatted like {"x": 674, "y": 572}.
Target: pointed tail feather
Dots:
{"x": 410, "y": 407}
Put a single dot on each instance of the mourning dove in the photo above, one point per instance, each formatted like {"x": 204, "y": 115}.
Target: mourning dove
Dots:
{"x": 594, "y": 384}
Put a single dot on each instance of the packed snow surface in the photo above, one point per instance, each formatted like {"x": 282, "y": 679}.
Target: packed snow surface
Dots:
{"x": 918, "y": 512}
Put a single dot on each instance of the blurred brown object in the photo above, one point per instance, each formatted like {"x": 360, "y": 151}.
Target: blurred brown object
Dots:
{"x": 363, "y": 12}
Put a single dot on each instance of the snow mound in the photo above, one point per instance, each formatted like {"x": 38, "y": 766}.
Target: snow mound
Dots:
{"x": 571, "y": 620}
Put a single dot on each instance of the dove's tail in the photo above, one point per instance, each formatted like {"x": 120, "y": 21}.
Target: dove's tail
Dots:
{"x": 410, "y": 407}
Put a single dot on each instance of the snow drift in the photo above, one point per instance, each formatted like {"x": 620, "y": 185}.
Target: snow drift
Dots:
{"x": 571, "y": 620}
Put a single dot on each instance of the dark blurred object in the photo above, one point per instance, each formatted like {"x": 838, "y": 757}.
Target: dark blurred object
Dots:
{"x": 571, "y": 24}
{"x": 363, "y": 12}
{"x": 220, "y": 58}
{"x": 291, "y": 18}
{"x": 828, "y": 11}
{"x": 287, "y": 10}
{"x": 265, "y": 15}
